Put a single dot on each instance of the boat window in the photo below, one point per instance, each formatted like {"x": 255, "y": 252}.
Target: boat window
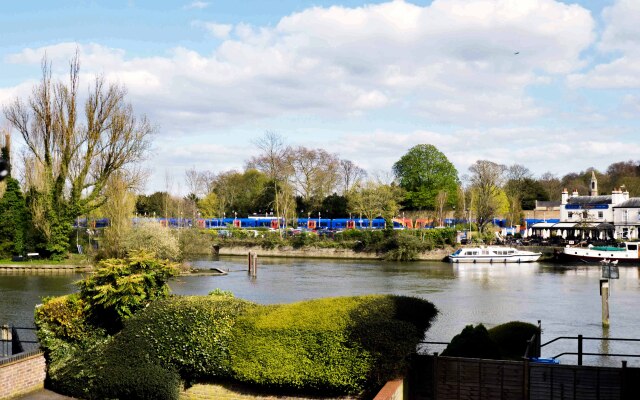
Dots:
{"x": 632, "y": 247}
{"x": 457, "y": 252}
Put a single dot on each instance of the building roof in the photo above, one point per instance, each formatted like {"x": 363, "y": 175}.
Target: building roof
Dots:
{"x": 589, "y": 200}
{"x": 633, "y": 202}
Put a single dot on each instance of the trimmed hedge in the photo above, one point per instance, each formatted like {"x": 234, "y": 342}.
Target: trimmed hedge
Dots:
{"x": 191, "y": 334}
{"x": 333, "y": 345}
{"x": 343, "y": 345}
{"x": 512, "y": 338}
{"x": 506, "y": 341}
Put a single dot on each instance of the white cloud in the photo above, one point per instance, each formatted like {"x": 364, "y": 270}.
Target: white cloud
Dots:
{"x": 453, "y": 60}
{"x": 621, "y": 39}
{"x": 219, "y": 31}
{"x": 197, "y": 5}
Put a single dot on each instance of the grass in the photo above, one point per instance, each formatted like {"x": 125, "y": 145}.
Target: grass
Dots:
{"x": 73, "y": 259}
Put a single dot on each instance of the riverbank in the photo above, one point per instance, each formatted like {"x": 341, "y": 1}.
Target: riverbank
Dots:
{"x": 322, "y": 253}
{"x": 46, "y": 268}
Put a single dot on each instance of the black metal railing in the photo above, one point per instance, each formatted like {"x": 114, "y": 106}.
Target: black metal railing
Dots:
{"x": 10, "y": 342}
{"x": 580, "y": 353}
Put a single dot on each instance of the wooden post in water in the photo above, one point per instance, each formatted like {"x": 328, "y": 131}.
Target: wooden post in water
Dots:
{"x": 255, "y": 264}
{"x": 604, "y": 294}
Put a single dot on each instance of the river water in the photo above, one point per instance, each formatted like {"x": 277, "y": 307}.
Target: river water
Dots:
{"x": 565, "y": 298}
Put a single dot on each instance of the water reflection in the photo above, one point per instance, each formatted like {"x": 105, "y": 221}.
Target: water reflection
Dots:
{"x": 566, "y": 298}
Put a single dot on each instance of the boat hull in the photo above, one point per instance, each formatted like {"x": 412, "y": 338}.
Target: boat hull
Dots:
{"x": 494, "y": 259}
{"x": 583, "y": 257}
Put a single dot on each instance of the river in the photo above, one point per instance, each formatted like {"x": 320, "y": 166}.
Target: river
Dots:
{"x": 566, "y": 298}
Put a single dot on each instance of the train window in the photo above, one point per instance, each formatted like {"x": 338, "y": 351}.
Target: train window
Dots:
{"x": 632, "y": 247}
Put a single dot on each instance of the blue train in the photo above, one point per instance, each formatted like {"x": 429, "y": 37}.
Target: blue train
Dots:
{"x": 302, "y": 223}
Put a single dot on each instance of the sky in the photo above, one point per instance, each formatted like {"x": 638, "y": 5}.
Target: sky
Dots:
{"x": 551, "y": 85}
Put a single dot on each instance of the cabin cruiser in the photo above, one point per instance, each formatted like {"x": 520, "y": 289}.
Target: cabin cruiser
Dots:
{"x": 493, "y": 254}
{"x": 624, "y": 252}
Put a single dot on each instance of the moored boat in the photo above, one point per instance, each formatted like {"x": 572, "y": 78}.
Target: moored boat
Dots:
{"x": 628, "y": 252}
{"x": 493, "y": 254}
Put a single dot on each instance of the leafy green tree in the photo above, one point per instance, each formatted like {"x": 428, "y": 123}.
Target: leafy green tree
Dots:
{"x": 14, "y": 220}
{"x": 373, "y": 199}
{"x": 424, "y": 172}
{"x": 209, "y": 206}
{"x": 335, "y": 206}
{"x": 153, "y": 204}
{"x": 488, "y": 199}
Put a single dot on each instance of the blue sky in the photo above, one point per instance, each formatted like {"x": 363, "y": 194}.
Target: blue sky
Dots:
{"x": 366, "y": 80}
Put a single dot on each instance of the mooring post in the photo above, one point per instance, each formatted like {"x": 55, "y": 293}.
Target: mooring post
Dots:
{"x": 250, "y": 263}
{"x": 255, "y": 264}
{"x": 604, "y": 293}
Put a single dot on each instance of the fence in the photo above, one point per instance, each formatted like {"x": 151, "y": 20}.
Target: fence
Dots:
{"x": 22, "y": 364}
{"x": 450, "y": 378}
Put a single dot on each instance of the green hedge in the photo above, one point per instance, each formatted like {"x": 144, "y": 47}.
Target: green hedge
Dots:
{"x": 506, "y": 341}
{"x": 191, "y": 334}
{"x": 340, "y": 345}
{"x": 334, "y": 345}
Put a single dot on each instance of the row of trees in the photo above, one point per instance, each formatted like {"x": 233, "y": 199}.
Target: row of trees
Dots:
{"x": 81, "y": 158}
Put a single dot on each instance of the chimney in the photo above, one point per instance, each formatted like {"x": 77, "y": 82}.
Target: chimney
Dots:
{"x": 575, "y": 193}
{"x": 616, "y": 196}
{"x": 565, "y": 196}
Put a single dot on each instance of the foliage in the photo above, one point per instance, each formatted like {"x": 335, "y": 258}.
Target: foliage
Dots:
{"x": 512, "y": 338}
{"x": 14, "y": 220}
{"x": 195, "y": 241}
{"x": 506, "y": 341}
{"x": 191, "y": 335}
{"x": 104, "y": 371}
{"x": 154, "y": 204}
{"x": 151, "y": 237}
{"x": 120, "y": 287}
{"x": 209, "y": 206}
{"x": 334, "y": 345}
{"x": 118, "y": 208}
{"x": 424, "y": 172}
{"x": 69, "y": 157}
{"x": 487, "y": 196}
{"x": 375, "y": 199}
{"x": 473, "y": 342}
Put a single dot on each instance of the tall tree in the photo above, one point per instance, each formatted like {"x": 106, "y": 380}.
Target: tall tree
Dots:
{"x": 315, "y": 174}
{"x": 487, "y": 196}
{"x": 275, "y": 162}
{"x": 423, "y": 172}
{"x": 75, "y": 154}
{"x": 119, "y": 209}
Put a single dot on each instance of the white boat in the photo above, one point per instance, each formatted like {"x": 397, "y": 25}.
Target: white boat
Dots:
{"x": 628, "y": 252}
{"x": 492, "y": 254}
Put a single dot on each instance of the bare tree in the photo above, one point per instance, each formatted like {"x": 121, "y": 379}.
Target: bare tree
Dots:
{"x": 351, "y": 175}
{"x": 441, "y": 201}
{"x": 315, "y": 173}
{"x": 275, "y": 162}
{"x": 75, "y": 154}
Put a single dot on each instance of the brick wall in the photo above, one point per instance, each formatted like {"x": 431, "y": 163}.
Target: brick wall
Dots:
{"x": 393, "y": 390}
{"x": 22, "y": 373}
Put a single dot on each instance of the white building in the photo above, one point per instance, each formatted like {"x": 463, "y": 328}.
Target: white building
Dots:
{"x": 602, "y": 217}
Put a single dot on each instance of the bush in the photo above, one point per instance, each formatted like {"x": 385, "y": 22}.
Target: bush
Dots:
{"x": 512, "y": 338}
{"x": 333, "y": 346}
{"x": 195, "y": 242}
{"x": 120, "y": 287}
{"x": 473, "y": 342}
{"x": 190, "y": 334}
{"x": 153, "y": 238}
{"x": 108, "y": 372}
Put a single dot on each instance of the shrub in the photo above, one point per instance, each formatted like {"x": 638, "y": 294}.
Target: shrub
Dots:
{"x": 512, "y": 337}
{"x": 336, "y": 345}
{"x": 120, "y": 287}
{"x": 473, "y": 342}
{"x": 108, "y": 372}
{"x": 191, "y": 334}
{"x": 195, "y": 242}
{"x": 153, "y": 238}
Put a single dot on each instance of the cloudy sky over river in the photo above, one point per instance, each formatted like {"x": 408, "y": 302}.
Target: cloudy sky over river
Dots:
{"x": 552, "y": 85}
